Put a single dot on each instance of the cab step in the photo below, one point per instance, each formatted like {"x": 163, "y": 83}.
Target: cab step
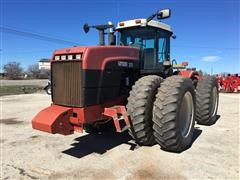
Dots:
{"x": 119, "y": 116}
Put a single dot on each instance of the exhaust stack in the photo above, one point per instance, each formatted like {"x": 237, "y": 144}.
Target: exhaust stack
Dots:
{"x": 101, "y": 29}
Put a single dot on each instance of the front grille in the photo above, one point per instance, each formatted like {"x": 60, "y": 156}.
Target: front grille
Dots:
{"x": 67, "y": 83}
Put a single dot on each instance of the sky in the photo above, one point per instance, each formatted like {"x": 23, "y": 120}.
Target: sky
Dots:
{"x": 207, "y": 30}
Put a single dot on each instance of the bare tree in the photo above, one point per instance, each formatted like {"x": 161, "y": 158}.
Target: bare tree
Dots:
{"x": 13, "y": 70}
{"x": 34, "y": 71}
{"x": 45, "y": 73}
{"x": 200, "y": 72}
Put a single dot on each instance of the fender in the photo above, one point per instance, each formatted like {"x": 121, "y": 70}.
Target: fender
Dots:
{"x": 194, "y": 75}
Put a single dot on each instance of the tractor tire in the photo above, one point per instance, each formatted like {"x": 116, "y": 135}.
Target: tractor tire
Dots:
{"x": 139, "y": 108}
{"x": 48, "y": 90}
{"x": 174, "y": 114}
{"x": 207, "y": 100}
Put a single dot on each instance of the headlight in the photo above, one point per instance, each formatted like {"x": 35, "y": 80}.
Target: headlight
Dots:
{"x": 57, "y": 57}
{"x": 78, "y": 56}
{"x": 70, "y": 57}
{"x": 63, "y": 57}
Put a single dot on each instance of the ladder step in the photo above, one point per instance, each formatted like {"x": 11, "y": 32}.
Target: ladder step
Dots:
{"x": 119, "y": 114}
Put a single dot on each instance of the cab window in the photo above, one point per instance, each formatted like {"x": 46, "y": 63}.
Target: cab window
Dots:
{"x": 153, "y": 44}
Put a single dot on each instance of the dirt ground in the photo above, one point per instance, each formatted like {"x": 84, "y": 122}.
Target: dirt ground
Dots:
{"x": 31, "y": 154}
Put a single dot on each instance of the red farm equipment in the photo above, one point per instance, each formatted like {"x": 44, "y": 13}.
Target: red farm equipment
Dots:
{"x": 229, "y": 83}
{"x": 131, "y": 81}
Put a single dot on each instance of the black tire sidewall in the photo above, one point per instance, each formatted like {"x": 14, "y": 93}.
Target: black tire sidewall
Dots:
{"x": 213, "y": 117}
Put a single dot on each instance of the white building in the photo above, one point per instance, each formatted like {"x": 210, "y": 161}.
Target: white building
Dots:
{"x": 44, "y": 64}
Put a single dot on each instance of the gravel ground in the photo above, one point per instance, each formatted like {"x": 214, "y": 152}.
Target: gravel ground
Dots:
{"x": 34, "y": 82}
{"x": 31, "y": 154}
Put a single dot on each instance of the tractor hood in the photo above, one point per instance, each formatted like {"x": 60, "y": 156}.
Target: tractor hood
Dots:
{"x": 95, "y": 57}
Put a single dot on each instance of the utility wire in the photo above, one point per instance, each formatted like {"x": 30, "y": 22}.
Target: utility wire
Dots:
{"x": 25, "y": 52}
{"x": 61, "y": 41}
{"x": 35, "y": 36}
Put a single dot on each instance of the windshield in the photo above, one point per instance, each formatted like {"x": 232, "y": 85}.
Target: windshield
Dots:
{"x": 138, "y": 37}
{"x": 153, "y": 43}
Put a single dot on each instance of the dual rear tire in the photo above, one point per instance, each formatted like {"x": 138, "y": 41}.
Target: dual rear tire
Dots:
{"x": 207, "y": 100}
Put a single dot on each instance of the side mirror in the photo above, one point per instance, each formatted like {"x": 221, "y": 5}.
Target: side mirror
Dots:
{"x": 174, "y": 36}
{"x": 86, "y": 28}
{"x": 163, "y": 14}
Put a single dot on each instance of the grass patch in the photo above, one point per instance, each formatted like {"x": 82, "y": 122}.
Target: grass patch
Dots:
{"x": 13, "y": 90}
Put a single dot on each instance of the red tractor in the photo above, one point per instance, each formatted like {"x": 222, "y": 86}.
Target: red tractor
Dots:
{"x": 131, "y": 81}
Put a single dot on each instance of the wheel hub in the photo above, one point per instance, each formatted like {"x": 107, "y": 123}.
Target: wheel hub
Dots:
{"x": 186, "y": 114}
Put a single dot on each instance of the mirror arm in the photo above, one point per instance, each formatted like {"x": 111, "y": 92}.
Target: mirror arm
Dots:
{"x": 151, "y": 17}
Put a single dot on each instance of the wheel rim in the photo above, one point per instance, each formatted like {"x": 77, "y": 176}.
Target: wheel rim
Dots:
{"x": 186, "y": 114}
{"x": 49, "y": 91}
{"x": 214, "y": 100}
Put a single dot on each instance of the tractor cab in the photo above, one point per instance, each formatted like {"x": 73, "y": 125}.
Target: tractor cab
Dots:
{"x": 151, "y": 37}
{"x": 153, "y": 41}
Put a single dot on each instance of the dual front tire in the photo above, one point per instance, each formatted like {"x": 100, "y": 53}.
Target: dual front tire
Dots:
{"x": 174, "y": 114}
{"x": 140, "y": 107}
{"x": 165, "y": 111}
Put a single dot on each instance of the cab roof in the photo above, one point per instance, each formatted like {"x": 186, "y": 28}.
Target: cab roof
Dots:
{"x": 143, "y": 23}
